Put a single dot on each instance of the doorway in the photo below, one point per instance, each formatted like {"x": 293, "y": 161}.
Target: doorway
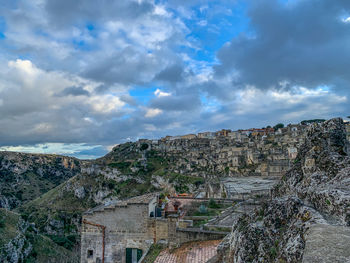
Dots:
{"x": 133, "y": 255}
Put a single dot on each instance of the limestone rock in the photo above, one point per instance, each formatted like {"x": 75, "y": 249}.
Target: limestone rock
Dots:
{"x": 308, "y": 218}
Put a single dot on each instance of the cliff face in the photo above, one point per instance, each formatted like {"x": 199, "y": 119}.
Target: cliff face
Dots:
{"x": 20, "y": 242}
{"x": 321, "y": 175}
{"x": 309, "y": 206}
{"x": 24, "y": 177}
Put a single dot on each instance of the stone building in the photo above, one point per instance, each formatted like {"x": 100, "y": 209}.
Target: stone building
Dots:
{"x": 347, "y": 127}
{"x": 118, "y": 232}
{"x": 123, "y": 231}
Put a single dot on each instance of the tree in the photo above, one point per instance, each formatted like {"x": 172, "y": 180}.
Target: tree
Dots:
{"x": 306, "y": 122}
{"x": 277, "y": 126}
{"x": 144, "y": 146}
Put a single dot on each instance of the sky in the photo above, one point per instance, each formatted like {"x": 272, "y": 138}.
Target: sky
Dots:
{"x": 78, "y": 77}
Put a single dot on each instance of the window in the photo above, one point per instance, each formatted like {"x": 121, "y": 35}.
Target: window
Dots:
{"x": 90, "y": 253}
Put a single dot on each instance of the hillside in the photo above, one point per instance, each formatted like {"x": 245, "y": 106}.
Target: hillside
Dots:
{"x": 20, "y": 242}
{"x": 128, "y": 171}
{"x": 135, "y": 168}
{"x": 308, "y": 218}
{"x": 24, "y": 177}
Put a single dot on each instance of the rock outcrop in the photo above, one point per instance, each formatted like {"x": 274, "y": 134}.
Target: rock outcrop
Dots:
{"x": 21, "y": 242}
{"x": 24, "y": 176}
{"x": 308, "y": 217}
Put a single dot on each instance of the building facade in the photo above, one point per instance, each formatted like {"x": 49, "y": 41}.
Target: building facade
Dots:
{"x": 118, "y": 232}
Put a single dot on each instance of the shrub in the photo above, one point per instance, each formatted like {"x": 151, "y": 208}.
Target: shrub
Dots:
{"x": 213, "y": 204}
{"x": 144, "y": 146}
{"x": 273, "y": 252}
{"x": 2, "y": 223}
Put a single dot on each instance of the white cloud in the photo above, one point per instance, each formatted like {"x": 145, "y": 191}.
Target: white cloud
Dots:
{"x": 160, "y": 93}
{"x": 299, "y": 101}
{"x": 54, "y": 148}
{"x": 202, "y": 23}
{"x": 150, "y": 113}
{"x": 105, "y": 103}
{"x": 346, "y": 20}
{"x": 161, "y": 11}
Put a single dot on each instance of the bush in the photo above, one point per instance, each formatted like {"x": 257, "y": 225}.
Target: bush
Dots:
{"x": 144, "y": 146}
{"x": 2, "y": 223}
{"x": 273, "y": 252}
{"x": 277, "y": 126}
{"x": 213, "y": 204}
{"x": 67, "y": 242}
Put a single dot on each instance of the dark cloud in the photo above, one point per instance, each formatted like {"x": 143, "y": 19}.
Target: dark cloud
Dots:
{"x": 125, "y": 67}
{"x": 73, "y": 91}
{"x": 66, "y": 12}
{"x": 186, "y": 102}
{"x": 172, "y": 74}
{"x": 302, "y": 42}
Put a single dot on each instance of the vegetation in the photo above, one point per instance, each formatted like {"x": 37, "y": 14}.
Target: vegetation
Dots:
{"x": 122, "y": 166}
{"x": 8, "y": 226}
{"x": 278, "y": 126}
{"x": 43, "y": 249}
{"x": 33, "y": 179}
{"x": 144, "y": 146}
{"x": 205, "y": 209}
{"x": 305, "y": 122}
{"x": 153, "y": 253}
{"x": 213, "y": 204}
{"x": 181, "y": 182}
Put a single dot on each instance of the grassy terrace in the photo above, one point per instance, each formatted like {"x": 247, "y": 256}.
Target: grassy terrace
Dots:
{"x": 204, "y": 209}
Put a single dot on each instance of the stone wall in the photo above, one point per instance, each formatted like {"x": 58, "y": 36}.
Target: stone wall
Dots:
{"x": 184, "y": 235}
{"x": 126, "y": 227}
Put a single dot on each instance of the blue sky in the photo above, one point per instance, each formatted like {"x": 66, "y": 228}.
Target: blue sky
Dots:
{"x": 78, "y": 77}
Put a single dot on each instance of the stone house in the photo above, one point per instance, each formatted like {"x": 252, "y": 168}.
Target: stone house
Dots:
{"x": 123, "y": 231}
{"x": 188, "y": 136}
{"x": 118, "y": 232}
{"x": 206, "y": 135}
{"x": 223, "y": 132}
{"x": 347, "y": 127}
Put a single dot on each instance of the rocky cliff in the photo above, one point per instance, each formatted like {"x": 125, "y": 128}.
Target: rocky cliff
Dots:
{"x": 24, "y": 177}
{"x": 21, "y": 242}
{"x": 308, "y": 217}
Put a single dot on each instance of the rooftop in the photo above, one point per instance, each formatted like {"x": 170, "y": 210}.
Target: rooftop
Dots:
{"x": 141, "y": 199}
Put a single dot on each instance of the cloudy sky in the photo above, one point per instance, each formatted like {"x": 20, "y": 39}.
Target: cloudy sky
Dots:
{"x": 77, "y": 77}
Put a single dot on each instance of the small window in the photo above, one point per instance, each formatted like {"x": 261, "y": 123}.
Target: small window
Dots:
{"x": 90, "y": 253}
